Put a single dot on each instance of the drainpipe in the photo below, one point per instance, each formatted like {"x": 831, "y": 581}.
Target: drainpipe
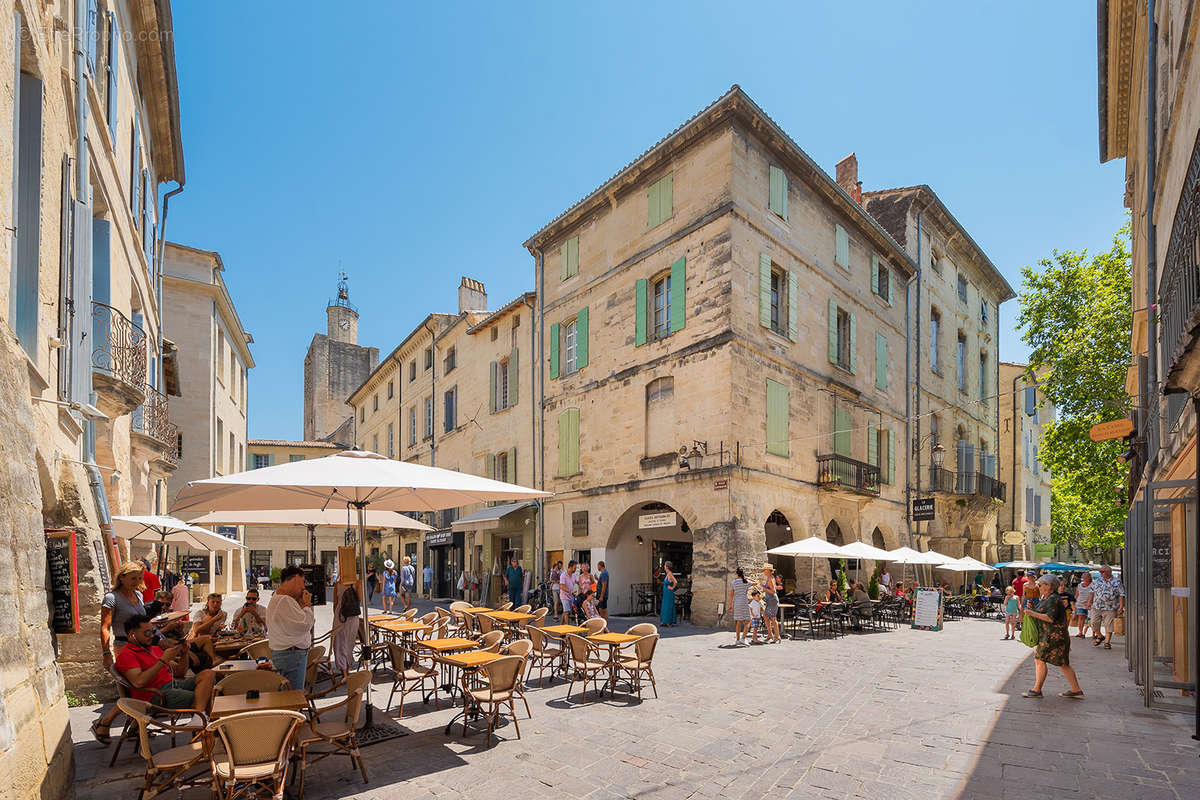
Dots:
{"x": 908, "y": 420}
{"x": 541, "y": 392}
{"x": 1013, "y": 483}
{"x": 535, "y": 447}
{"x": 432, "y": 394}
{"x": 919, "y": 368}
{"x": 157, "y": 267}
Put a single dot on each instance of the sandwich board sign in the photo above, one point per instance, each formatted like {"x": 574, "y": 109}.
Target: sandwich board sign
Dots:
{"x": 927, "y": 610}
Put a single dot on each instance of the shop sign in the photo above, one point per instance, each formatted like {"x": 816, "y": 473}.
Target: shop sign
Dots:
{"x": 1160, "y": 546}
{"x": 228, "y": 531}
{"x": 195, "y": 567}
{"x": 922, "y": 509}
{"x": 1013, "y": 538}
{"x": 664, "y": 519}
{"x": 1115, "y": 429}
{"x": 720, "y": 485}
{"x": 579, "y": 523}
{"x": 435, "y": 538}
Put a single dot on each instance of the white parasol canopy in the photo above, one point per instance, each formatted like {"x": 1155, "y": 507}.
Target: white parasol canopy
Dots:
{"x": 966, "y": 564}
{"x": 169, "y": 530}
{"x": 330, "y": 517}
{"x": 813, "y": 546}
{"x": 862, "y": 550}
{"x": 906, "y": 555}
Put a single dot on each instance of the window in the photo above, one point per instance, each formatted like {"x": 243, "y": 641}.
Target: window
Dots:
{"x": 362, "y": 413}
{"x": 881, "y": 445}
{"x": 881, "y": 362}
{"x": 842, "y": 334}
{"x": 412, "y": 426}
{"x": 221, "y": 358}
{"x": 1036, "y": 466}
{"x": 220, "y": 460}
{"x": 502, "y": 384}
{"x": 983, "y": 311}
{"x": 391, "y": 390}
{"x": 660, "y": 418}
{"x": 935, "y": 431}
{"x": 660, "y": 200}
{"x": 428, "y": 417}
{"x": 568, "y": 442}
{"x": 391, "y": 442}
{"x": 428, "y": 358}
{"x": 660, "y": 304}
{"x": 448, "y": 362}
{"x": 111, "y": 62}
{"x": 660, "y": 389}
{"x": 842, "y": 424}
{"x": 935, "y": 340}
{"x": 961, "y": 363}
{"x": 375, "y": 402}
{"x": 293, "y": 459}
{"x": 179, "y": 445}
{"x": 27, "y": 217}
{"x": 841, "y": 247}
{"x": 450, "y": 409}
{"x": 983, "y": 376}
{"x": 660, "y": 307}
{"x": 261, "y": 460}
{"x": 1037, "y": 509}
{"x": 504, "y": 381}
{"x": 1031, "y": 400}
{"x": 375, "y": 443}
{"x": 569, "y": 254}
{"x": 881, "y": 279}
{"x": 779, "y": 302}
{"x": 570, "y": 341}
{"x": 778, "y": 196}
{"x": 495, "y": 333}
{"x": 570, "y": 354}
{"x": 232, "y": 453}
{"x": 777, "y": 418}
{"x": 500, "y": 467}
{"x": 1028, "y": 504}
{"x": 778, "y": 297}
{"x": 412, "y": 370}
{"x": 516, "y": 321}
{"x": 962, "y": 287}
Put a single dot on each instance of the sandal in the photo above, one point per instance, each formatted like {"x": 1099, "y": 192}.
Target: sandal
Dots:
{"x": 102, "y": 738}
{"x": 1073, "y": 695}
{"x": 1108, "y": 645}
{"x": 1032, "y": 693}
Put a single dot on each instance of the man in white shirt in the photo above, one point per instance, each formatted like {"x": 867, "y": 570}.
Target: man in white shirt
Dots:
{"x": 885, "y": 580}
{"x": 289, "y": 626}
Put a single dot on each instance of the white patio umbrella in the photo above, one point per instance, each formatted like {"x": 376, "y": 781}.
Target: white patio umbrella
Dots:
{"x": 356, "y": 479}
{"x": 966, "y": 564}
{"x": 859, "y": 551}
{"x": 906, "y": 555}
{"x": 812, "y": 548}
{"x": 166, "y": 530}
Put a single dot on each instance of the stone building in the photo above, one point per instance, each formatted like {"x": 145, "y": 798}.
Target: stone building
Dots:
{"x": 722, "y": 338}
{"x": 335, "y": 366}
{"x": 214, "y": 361}
{"x": 457, "y": 393}
{"x": 955, "y": 403}
{"x": 90, "y": 93}
{"x": 1024, "y": 414}
{"x": 1149, "y": 115}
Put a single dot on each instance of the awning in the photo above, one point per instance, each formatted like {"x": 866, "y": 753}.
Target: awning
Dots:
{"x": 489, "y": 517}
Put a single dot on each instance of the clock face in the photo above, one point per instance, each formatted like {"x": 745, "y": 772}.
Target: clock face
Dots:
{"x": 344, "y": 325}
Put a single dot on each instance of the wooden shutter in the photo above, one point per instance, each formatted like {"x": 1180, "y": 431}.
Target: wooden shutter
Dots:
{"x": 111, "y": 75}
{"x": 777, "y": 418}
{"x": 875, "y": 274}
{"x": 569, "y": 252}
{"x": 1037, "y": 509}
{"x": 492, "y": 381}
{"x": 652, "y": 205}
{"x": 873, "y": 444}
{"x": 666, "y": 197}
{"x": 779, "y": 192}
{"x": 833, "y": 332}
{"x": 880, "y": 362}
{"x": 514, "y": 377}
{"x": 511, "y": 475}
{"x": 554, "y": 334}
{"x": 101, "y": 273}
{"x": 564, "y": 256}
{"x": 841, "y": 431}
{"x": 581, "y": 338}
{"x": 764, "y": 290}
{"x": 29, "y": 214}
{"x": 891, "y": 456}
{"x": 841, "y": 252}
{"x": 678, "y": 294}
{"x": 564, "y": 449}
{"x": 890, "y": 281}
{"x": 793, "y": 310}
{"x": 639, "y": 317}
{"x": 90, "y": 35}
{"x": 135, "y": 165}
{"x": 270, "y": 459}
{"x": 1030, "y": 400}
{"x": 853, "y": 344}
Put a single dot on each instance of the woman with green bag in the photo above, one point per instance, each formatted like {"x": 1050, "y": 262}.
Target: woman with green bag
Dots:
{"x": 1053, "y": 639}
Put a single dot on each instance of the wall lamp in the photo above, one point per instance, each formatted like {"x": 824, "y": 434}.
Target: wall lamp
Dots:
{"x": 89, "y": 411}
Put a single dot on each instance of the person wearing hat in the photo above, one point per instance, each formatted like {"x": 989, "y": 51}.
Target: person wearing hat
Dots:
{"x": 389, "y": 585}
{"x": 770, "y": 604}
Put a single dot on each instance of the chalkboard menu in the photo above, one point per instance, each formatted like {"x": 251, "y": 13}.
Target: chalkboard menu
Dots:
{"x": 63, "y": 571}
{"x": 1161, "y": 551}
{"x": 196, "y": 567}
{"x": 102, "y": 564}
{"x": 314, "y": 581}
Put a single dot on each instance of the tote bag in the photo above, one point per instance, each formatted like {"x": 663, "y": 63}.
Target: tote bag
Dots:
{"x": 1029, "y": 632}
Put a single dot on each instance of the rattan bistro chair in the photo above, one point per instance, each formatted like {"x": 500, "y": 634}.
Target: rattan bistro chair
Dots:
{"x": 643, "y": 629}
{"x": 179, "y": 767}
{"x": 595, "y": 625}
{"x": 583, "y": 666}
{"x": 125, "y": 689}
{"x": 520, "y": 648}
{"x": 525, "y": 609}
{"x": 339, "y": 735}
{"x": 490, "y": 642}
{"x": 259, "y": 649}
{"x": 544, "y": 653}
{"x": 254, "y": 759}
{"x": 242, "y": 682}
{"x": 411, "y": 674}
{"x": 502, "y": 677}
{"x": 485, "y": 623}
{"x": 638, "y": 662}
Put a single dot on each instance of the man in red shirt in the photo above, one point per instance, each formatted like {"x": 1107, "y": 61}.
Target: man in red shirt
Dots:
{"x": 147, "y": 666}
{"x": 151, "y": 581}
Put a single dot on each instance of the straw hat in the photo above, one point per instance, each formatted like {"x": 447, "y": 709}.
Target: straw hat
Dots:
{"x": 767, "y": 567}
{"x": 389, "y": 564}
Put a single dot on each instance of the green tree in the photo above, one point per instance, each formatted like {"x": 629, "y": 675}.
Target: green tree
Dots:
{"x": 1076, "y": 316}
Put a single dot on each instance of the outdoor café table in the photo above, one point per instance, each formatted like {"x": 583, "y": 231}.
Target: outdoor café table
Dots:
{"x": 236, "y": 665}
{"x": 787, "y": 614}
{"x": 231, "y": 644}
{"x": 477, "y": 609}
{"x": 404, "y": 628}
{"x": 510, "y": 618}
{"x": 290, "y": 700}
{"x": 468, "y": 663}
{"x": 444, "y": 647}
{"x": 560, "y": 633}
{"x": 613, "y": 641}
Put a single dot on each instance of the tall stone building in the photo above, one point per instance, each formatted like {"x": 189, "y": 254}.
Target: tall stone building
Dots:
{"x": 335, "y": 366}
{"x": 1024, "y": 414}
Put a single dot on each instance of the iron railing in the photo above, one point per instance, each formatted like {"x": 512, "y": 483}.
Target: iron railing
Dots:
{"x": 171, "y": 454}
{"x": 118, "y": 345}
{"x": 1179, "y": 287}
{"x": 150, "y": 419}
{"x": 836, "y": 471}
{"x": 977, "y": 483}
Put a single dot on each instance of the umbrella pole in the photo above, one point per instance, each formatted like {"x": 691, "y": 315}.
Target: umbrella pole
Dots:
{"x": 366, "y": 606}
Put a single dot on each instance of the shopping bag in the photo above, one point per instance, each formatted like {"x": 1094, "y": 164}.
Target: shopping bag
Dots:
{"x": 1029, "y": 632}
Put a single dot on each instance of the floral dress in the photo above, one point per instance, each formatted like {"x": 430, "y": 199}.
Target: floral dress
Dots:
{"x": 1054, "y": 639}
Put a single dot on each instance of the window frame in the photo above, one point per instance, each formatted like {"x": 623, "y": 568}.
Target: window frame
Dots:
{"x": 960, "y": 362}
{"x": 428, "y": 430}
{"x": 935, "y": 341}
{"x": 266, "y": 460}
{"x": 654, "y": 330}
{"x": 449, "y": 362}
{"x": 412, "y": 425}
{"x": 569, "y": 363}
{"x": 502, "y": 384}
{"x": 779, "y": 301}
{"x": 391, "y": 392}
{"x": 450, "y": 409}
{"x": 428, "y": 359}
{"x": 843, "y": 338}
{"x": 962, "y": 289}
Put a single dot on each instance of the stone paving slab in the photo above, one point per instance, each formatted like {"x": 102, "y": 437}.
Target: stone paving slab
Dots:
{"x": 899, "y": 714}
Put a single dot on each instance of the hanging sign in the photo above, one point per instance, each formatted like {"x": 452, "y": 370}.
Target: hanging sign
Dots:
{"x": 1115, "y": 429}
{"x": 922, "y": 509}
{"x": 720, "y": 485}
{"x": 1013, "y": 538}
{"x": 665, "y": 519}
{"x": 927, "y": 610}
{"x": 435, "y": 538}
{"x": 1160, "y": 551}
{"x": 63, "y": 571}
{"x": 228, "y": 531}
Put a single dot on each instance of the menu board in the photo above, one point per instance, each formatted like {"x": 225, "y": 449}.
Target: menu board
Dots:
{"x": 196, "y": 567}
{"x": 927, "y": 610}
{"x": 314, "y": 582}
{"x": 1160, "y": 547}
{"x": 63, "y": 568}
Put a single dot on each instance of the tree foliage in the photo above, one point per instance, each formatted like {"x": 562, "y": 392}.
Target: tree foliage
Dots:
{"x": 1076, "y": 316}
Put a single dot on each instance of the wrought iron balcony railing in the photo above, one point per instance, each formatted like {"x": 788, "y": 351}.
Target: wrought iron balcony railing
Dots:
{"x": 118, "y": 345}
{"x": 150, "y": 419}
{"x": 977, "y": 483}
{"x": 839, "y": 472}
{"x": 1179, "y": 288}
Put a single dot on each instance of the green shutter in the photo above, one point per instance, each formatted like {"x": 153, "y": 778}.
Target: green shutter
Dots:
{"x": 554, "y": 350}
{"x": 564, "y": 260}
{"x": 494, "y": 367}
{"x": 581, "y": 338}
{"x": 873, "y": 444}
{"x": 841, "y": 251}
{"x": 652, "y": 205}
{"x": 564, "y": 449}
{"x": 271, "y": 460}
{"x": 779, "y": 192}
{"x": 764, "y": 290}
{"x": 514, "y": 377}
{"x": 793, "y": 299}
{"x": 777, "y": 418}
{"x": 678, "y": 294}
{"x": 666, "y": 197}
{"x": 853, "y": 344}
{"x": 639, "y": 317}
{"x": 889, "y": 283}
{"x": 880, "y": 362}
{"x": 833, "y": 332}
{"x": 573, "y": 440}
{"x": 841, "y": 431}
{"x": 511, "y": 477}
{"x": 891, "y": 456}
{"x": 875, "y": 274}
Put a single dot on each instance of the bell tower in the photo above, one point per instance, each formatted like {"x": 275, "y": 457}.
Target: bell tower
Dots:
{"x": 343, "y": 316}
{"x": 335, "y": 366}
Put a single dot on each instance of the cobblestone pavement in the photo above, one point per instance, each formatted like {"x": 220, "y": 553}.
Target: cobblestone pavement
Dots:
{"x": 898, "y": 714}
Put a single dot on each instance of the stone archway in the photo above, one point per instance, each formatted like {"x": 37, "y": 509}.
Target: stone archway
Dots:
{"x": 643, "y": 536}
{"x": 877, "y": 539}
{"x": 778, "y": 530}
{"x": 833, "y": 533}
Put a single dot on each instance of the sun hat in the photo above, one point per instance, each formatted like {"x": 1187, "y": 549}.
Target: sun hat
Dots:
{"x": 767, "y": 567}
{"x": 389, "y": 564}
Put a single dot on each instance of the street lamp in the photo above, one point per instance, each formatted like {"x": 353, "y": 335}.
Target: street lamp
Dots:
{"x": 939, "y": 456}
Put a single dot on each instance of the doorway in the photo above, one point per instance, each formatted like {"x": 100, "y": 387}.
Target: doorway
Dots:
{"x": 779, "y": 532}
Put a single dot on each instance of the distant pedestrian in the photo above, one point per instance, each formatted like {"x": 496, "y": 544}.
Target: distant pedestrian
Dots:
{"x": 770, "y": 604}
{"x": 740, "y": 603}
{"x": 567, "y": 585}
{"x": 555, "y": 588}
{"x": 1012, "y": 611}
{"x": 427, "y": 576}
{"x": 756, "y": 614}
{"x": 1083, "y": 602}
{"x": 372, "y": 583}
{"x": 1108, "y": 603}
{"x": 515, "y": 577}
{"x": 602, "y": 590}
{"x": 389, "y": 585}
{"x": 408, "y": 582}
{"x": 1054, "y": 640}
{"x": 349, "y": 616}
{"x": 150, "y": 580}
{"x": 885, "y": 580}
{"x": 666, "y": 615}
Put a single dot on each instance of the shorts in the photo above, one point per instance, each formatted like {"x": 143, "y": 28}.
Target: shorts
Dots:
{"x": 406, "y": 588}
{"x": 567, "y": 599}
{"x": 756, "y": 623}
{"x": 1081, "y": 610}
{"x": 1103, "y": 617}
{"x": 179, "y": 693}
{"x": 1010, "y": 618}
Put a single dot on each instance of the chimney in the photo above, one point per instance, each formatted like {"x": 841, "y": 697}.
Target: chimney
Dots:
{"x": 847, "y": 177}
{"x": 471, "y": 296}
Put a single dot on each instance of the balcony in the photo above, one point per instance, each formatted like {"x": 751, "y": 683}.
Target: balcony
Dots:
{"x": 1179, "y": 287}
{"x": 841, "y": 473}
{"x": 118, "y": 361}
{"x": 150, "y": 420}
{"x": 973, "y": 483}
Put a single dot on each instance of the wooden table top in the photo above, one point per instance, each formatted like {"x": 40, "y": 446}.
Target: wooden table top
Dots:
{"x": 476, "y": 609}
{"x": 237, "y": 665}
{"x": 170, "y": 616}
{"x": 510, "y": 616}
{"x": 444, "y": 645}
{"x": 226, "y": 704}
{"x": 473, "y": 658}
{"x": 404, "y": 626}
{"x": 564, "y": 629}
{"x": 383, "y": 617}
{"x": 226, "y": 643}
{"x": 613, "y": 638}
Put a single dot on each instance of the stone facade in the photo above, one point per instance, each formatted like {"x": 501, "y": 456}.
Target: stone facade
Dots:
{"x": 1024, "y": 414}
{"x": 334, "y": 366}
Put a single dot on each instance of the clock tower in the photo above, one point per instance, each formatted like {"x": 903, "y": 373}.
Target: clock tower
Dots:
{"x": 335, "y": 366}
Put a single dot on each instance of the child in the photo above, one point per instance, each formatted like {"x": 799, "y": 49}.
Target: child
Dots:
{"x": 1012, "y": 609}
{"x": 756, "y": 614}
{"x": 590, "y": 610}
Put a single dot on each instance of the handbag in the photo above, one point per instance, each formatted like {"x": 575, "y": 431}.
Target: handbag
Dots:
{"x": 1029, "y": 632}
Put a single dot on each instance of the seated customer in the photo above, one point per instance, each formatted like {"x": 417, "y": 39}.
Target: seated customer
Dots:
{"x": 147, "y": 666}
{"x": 833, "y": 595}
{"x": 209, "y": 618}
{"x": 251, "y": 618}
{"x": 160, "y": 603}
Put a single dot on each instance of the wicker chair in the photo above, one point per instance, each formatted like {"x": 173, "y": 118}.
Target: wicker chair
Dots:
{"x": 173, "y": 767}
{"x": 410, "y": 614}
{"x": 256, "y": 746}
{"x": 325, "y": 642}
{"x": 502, "y": 676}
{"x": 312, "y": 672}
{"x": 595, "y": 625}
{"x": 341, "y": 735}
{"x": 505, "y": 607}
{"x": 486, "y": 624}
{"x": 525, "y": 609}
{"x": 242, "y": 682}
{"x": 638, "y": 662}
{"x": 520, "y": 648}
{"x": 125, "y": 689}
{"x": 259, "y": 649}
{"x": 411, "y": 674}
{"x": 583, "y": 666}
{"x": 543, "y": 653}
{"x": 429, "y": 618}
{"x": 490, "y": 642}
{"x": 643, "y": 629}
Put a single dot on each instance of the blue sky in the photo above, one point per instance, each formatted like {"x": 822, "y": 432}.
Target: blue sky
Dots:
{"x": 411, "y": 144}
